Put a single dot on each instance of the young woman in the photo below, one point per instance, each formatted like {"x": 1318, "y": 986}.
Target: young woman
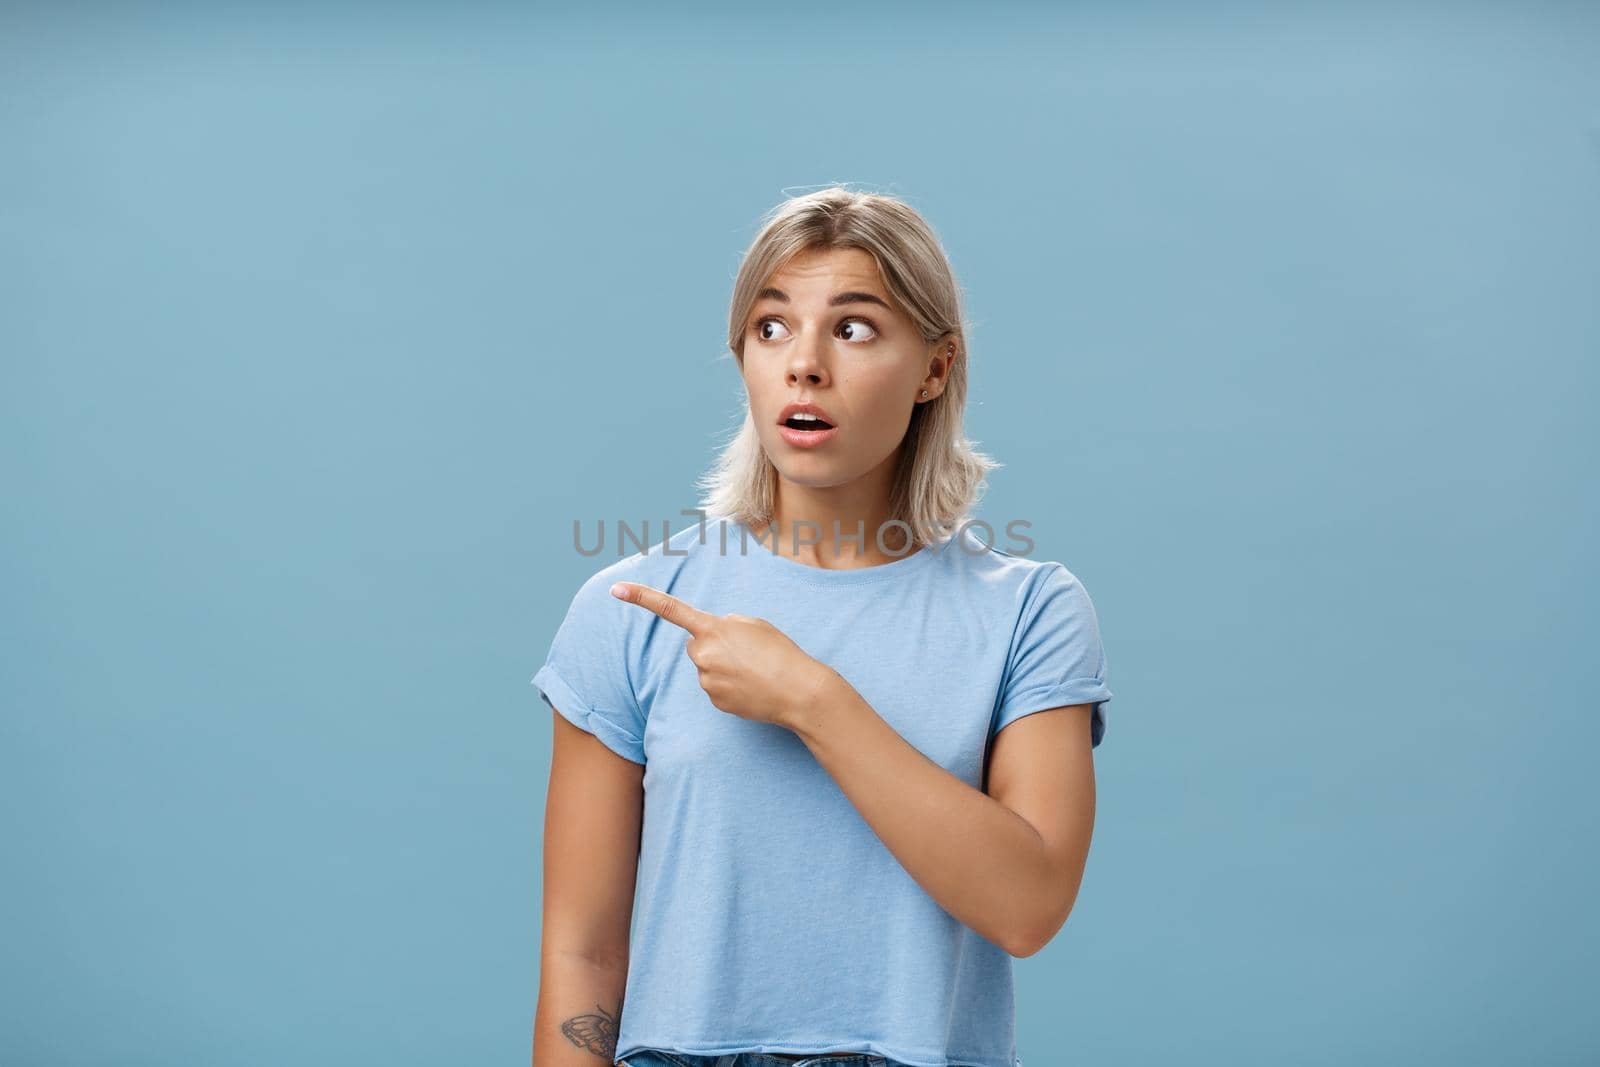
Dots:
{"x": 789, "y": 816}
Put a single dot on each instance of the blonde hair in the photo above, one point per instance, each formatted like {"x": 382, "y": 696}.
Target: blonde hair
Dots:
{"x": 940, "y": 476}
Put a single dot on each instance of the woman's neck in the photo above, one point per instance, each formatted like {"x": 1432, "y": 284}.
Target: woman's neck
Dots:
{"x": 856, "y": 543}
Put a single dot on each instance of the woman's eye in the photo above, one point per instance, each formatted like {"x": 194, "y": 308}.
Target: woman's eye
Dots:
{"x": 763, "y": 324}
{"x": 856, "y": 326}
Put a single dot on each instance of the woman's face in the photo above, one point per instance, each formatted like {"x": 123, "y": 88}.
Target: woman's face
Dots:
{"x": 826, "y": 331}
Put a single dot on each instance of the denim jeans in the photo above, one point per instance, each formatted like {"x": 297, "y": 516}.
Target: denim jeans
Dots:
{"x": 652, "y": 1058}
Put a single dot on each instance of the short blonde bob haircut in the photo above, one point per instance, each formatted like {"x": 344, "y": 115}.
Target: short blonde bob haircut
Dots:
{"x": 940, "y": 476}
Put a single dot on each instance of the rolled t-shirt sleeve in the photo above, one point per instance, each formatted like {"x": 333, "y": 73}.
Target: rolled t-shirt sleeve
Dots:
{"x": 1057, "y": 659}
{"x": 586, "y": 676}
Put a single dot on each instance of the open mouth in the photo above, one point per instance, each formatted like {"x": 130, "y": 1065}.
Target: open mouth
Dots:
{"x": 803, "y": 422}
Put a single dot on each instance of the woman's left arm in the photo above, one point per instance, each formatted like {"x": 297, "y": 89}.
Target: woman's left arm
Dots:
{"x": 1009, "y": 862}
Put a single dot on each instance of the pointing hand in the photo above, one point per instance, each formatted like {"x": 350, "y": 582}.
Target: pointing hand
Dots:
{"x": 748, "y": 667}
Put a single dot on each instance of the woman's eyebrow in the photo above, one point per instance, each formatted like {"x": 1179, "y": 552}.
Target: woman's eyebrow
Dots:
{"x": 779, "y": 295}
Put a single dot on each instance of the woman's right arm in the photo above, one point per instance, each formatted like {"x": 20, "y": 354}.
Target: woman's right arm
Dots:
{"x": 594, "y": 811}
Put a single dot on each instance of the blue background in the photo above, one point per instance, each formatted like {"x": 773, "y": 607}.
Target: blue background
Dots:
{"x": 319, "y": 330}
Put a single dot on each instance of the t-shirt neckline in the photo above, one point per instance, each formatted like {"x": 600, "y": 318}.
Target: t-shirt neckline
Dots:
{"x": 741, "y": 537}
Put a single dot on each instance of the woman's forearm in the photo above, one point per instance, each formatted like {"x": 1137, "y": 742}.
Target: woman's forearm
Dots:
{"x": 985, "y": 864}
{"x": 580, "y": 1005}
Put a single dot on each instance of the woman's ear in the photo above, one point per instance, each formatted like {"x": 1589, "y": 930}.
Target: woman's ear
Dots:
{"x": 942, "y": 355}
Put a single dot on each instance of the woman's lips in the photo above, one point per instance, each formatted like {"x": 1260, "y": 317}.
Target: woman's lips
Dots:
{"x": 807, "y": 438}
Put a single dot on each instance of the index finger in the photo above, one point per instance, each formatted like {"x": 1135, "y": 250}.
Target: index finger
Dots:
{"x": 666, "y": 605}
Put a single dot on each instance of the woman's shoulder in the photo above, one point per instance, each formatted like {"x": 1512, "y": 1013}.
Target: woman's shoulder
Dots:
{"x": 978, "y": 550}
{"x": 1013, "y": 577}
{"x": 651, "y": 562}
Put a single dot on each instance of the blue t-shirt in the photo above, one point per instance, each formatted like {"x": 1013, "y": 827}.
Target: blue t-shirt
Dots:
{"x": 767, "y": 915}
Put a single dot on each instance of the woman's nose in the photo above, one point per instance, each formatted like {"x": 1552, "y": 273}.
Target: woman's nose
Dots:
{"x": 807, "y": 362}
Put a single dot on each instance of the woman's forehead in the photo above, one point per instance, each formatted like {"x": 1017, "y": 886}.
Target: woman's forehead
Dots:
{"x": 842, "y": 263}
